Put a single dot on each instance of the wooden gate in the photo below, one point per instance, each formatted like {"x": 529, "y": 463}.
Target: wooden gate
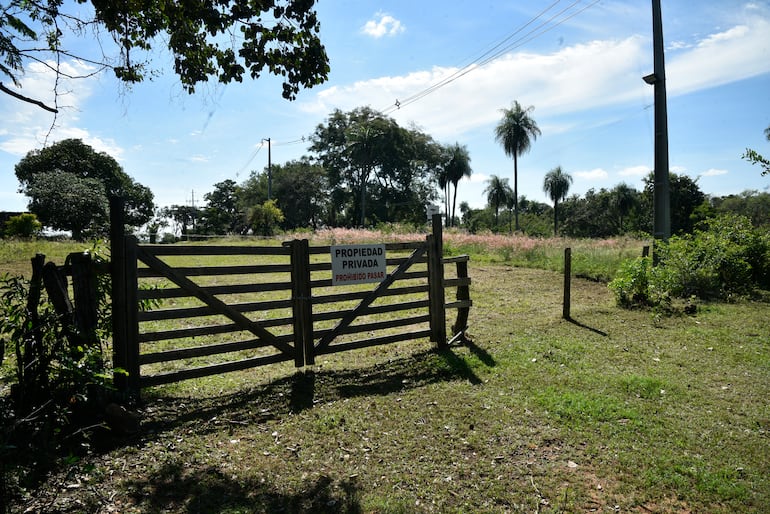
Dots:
{"x": 188, "y": 311}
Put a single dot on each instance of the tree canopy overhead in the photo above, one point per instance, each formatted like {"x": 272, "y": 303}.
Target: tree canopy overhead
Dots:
{"x": 222, "y": 39}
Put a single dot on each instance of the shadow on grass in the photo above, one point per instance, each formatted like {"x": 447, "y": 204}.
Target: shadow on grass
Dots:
{"x": 581, "y": 325}
{"x": 483, "y": 355}
{"x": 302, "y": 390}
{"x": 177, "y": 487}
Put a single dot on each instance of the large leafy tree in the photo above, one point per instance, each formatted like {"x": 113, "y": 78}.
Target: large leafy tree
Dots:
{"x": 686, "y": 197}
{"x": 368, "y": 156}
{"x": 458, "y": 166}
{"x": 64, "y": 201}
{"x": 90, "y": 170}
{"x": 221, "y": 214}
{"x": 498, "y": 193}
{"x": 515, "y": 132}
{"x": 221, "y": 39}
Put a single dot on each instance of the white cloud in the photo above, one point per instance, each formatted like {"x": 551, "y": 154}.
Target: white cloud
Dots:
{"x": 199, "y": 158}
{"x": 594, "y": 174}
{"x": 382, "y": 25}
{"x": 479, "y": 177}
{"x": 634, "y": 171}
{"x": 574, "y": 79}
{"x": 25, "y": 127}
{"x": 713, "y": 172}
{"x": 734, "y": 54}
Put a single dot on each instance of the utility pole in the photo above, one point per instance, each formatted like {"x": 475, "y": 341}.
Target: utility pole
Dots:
{"x": 269, "y": 170}
{"x": 661, "y": 207}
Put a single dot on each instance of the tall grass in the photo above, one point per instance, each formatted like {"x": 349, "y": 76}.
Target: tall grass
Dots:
{"x": 596, "y": 259}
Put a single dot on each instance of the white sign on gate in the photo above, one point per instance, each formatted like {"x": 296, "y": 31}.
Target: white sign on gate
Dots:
{"x": 358, "y": 264}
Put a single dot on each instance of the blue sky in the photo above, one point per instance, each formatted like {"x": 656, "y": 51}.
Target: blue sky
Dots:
{"x": 581, "y": 69}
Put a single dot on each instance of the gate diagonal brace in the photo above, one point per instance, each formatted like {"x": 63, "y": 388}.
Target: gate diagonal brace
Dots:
{"x": 212, "y": 301}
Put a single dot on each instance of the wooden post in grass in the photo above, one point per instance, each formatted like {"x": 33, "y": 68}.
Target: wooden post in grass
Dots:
{"x": 301, "y": 303}
{"x": 567, "y": 276}
{"x": 436, "y": 293}
{"x": 118, "y": 279}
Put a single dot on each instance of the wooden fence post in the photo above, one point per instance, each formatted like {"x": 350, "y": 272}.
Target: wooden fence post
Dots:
{"x": 132, "y": 316}
{"x": 84, "y": 290}
{"x": 118, "y": 279}
{"x": 302, "y": 303}
{"x": 436, "y": 293}
{"x": 567, "y": 278}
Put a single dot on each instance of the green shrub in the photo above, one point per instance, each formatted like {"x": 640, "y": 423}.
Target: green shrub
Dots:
{"x": 24, "y": 226}
{"x": 726, "y": 257}
{"x": 632, "y": 282}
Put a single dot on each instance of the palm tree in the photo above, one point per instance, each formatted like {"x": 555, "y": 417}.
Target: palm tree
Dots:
{"x": 556, "y": 185}
{"x": 498, "y": 192}
{"x": 459, "y": 166}
{"x": 624, "y": 197}
{"x": 516, "y": 132}
{"x": 443, "y": 182}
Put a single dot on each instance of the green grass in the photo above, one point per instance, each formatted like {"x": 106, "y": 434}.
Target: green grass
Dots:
{"x": 617, "y": 411}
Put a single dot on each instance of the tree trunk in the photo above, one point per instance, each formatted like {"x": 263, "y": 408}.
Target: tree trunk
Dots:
{"x": 555, "y": 217}
{"x": 454, "y": 204}
{"x": 516, "y": 189}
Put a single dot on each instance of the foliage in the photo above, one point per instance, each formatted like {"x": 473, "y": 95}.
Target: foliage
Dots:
{"x": 754, "y": 157}
{"x": 64, "y": 201}
{"x": 280, "y": 36}
{"x": 184, "y": 217}
{"x": 370, "y": 160}
{"x": 685, "y": 196}
{"x": 264, "y": 219}
{"x": 498, "y": 194}
{"x": 456, "y": 168}
{"x": 300, "y": 191}
{"x": 221, "y": 214}
{"x": 24, "y": 225}
{"x": 54, "y": 362}
{"x": 516, "y": 131}
{"x": 631, "y": 285}
{"x": 727, "y": 257}
{"x": 752, "y": 204}
{"x": 69, "y": 185}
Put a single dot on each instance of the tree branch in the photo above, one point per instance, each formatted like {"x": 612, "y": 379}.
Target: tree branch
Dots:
{"x": 27, "y": 99}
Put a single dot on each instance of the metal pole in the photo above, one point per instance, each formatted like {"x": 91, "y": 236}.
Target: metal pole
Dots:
{"x": 661, "y": 196}
{"x": 269, "y": 171}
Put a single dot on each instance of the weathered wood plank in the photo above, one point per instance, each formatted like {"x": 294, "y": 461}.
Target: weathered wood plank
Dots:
{"x": 213, "y": 250}
{"x": 214, "y": 369}
{"x": 210, "y": 271}
{"x": 204, "y": 350}
{"x": 375, "y": 341}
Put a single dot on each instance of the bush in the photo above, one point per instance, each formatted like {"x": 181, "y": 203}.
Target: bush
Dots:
{"x": 23, "y": 226}
{"x": 632, "y": 283}
{"x": 727, "y": 257}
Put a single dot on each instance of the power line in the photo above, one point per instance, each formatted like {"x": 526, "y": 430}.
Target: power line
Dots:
{"x": 497, "y": 50}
